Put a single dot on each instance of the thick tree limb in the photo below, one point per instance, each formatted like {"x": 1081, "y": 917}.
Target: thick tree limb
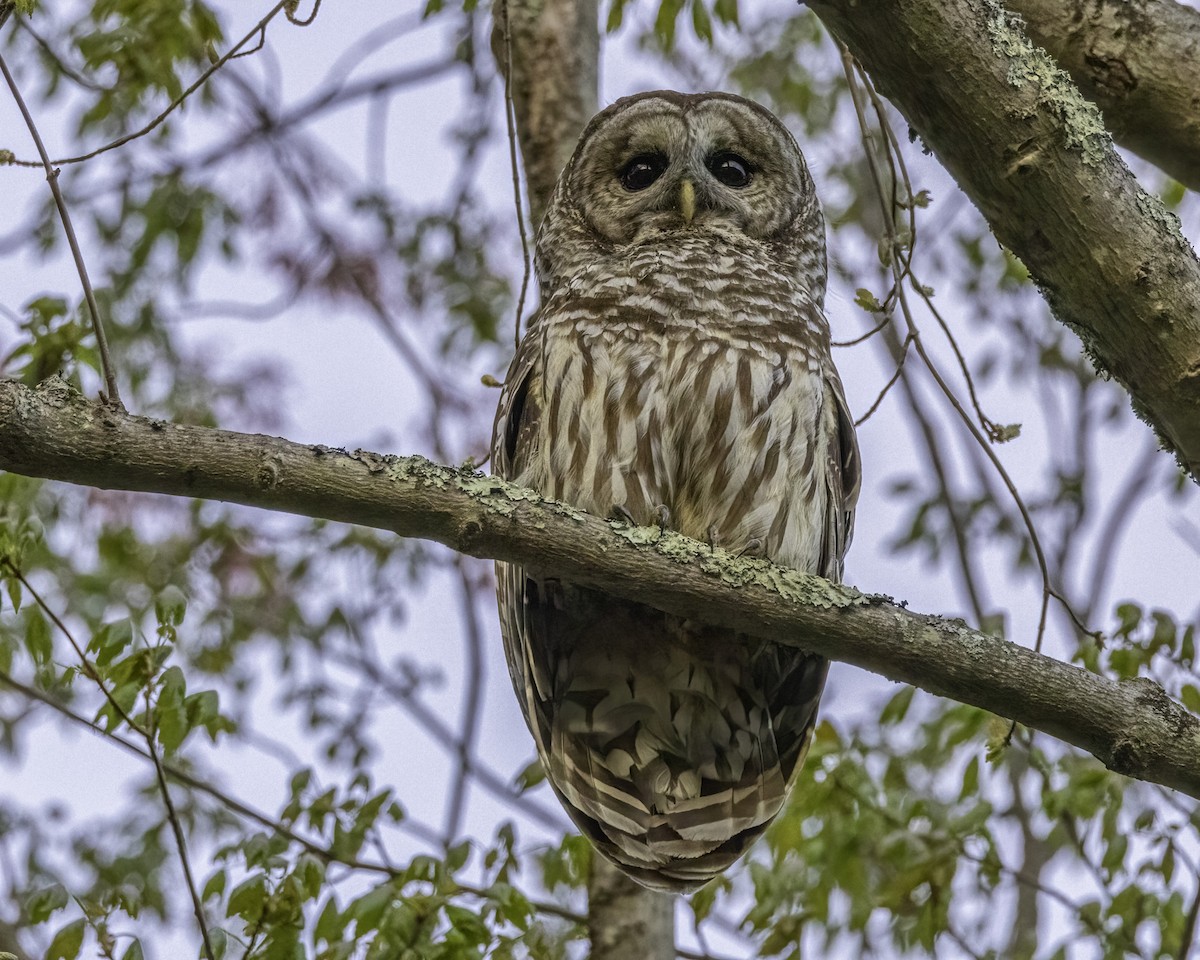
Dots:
{"x": 1133, "y": 727}
{"x": 626, "y": 920}
{"x": 1139, "y": 62}
{"x": 555, "y": 48}
{"x": 1033, "y": 155}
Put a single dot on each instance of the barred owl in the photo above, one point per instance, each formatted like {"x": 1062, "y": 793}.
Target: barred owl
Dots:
{"x": 676, "y": 372}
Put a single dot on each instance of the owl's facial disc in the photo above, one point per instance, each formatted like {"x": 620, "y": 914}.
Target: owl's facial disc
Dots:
{"x": 665, "y": 164}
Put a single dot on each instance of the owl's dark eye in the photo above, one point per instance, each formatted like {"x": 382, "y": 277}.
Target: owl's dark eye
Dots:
{"x": 730, "y": 169}
{"x": 642, "y": 171}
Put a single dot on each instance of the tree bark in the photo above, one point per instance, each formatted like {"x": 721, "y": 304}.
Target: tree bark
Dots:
{"x": 1139, "y": 62}
{"x": 625, "y": 920}
{"x": 1132, "y": 726}
{"x": 555, "y": 48}
{"x": 1034, "y": 156}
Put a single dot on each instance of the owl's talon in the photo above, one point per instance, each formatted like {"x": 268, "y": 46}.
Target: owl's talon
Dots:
{"x": 621, "y": 512}
{"x": 663, "y": 513}
{"x": 753, "y": 547}
{"x": 712, "y": 538}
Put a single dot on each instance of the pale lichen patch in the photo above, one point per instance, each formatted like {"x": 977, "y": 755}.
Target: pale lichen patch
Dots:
{"x": 1080, "y": 120}
{"x": 791, "y": 586}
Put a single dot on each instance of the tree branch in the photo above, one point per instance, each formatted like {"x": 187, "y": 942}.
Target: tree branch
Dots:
{"x": 1034, "y": 156}
{"x": 1136, "y": 60}
{"x": 1133, "y": 727}
{"x": 555, "y": 51}
{"x": 624, "y": 918}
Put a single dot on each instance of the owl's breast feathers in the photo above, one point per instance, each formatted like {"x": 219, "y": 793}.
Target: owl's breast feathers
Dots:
{"x": 696, "y": 380}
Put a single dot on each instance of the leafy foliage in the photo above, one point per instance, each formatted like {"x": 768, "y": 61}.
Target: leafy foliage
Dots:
{"x": 237, "y": 650}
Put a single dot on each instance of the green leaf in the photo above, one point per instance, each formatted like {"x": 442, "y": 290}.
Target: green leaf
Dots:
{"x": 616, "y": 14}
{"x": 110, "y": 641}
{"x": 134, "y": 951}
{"x": 665, "y": 22}
{"x": 533, "y": 774}
{"x": 702, "y": 22}
{"x": 311, "y": 872}
{"x": 702, "y": 900}
{"x": 1004, "y": 432}
{"x": 215, "y": 885}
{"x": 897, "y": 707}
{"x": 970, "y": 784}
{"x": 37, "y": 637}
{"x": 67, "y": 942}
{"x": 867, "y": 300}
{"x": 368, "y": 909}
{"x": 248, "y": 899}
{"x": 170, "y": 606}
{"x": 456, "y": 856}
{"x": 41, "y": 904}
{"x": 170, "y": 716}
{"x": 330, "y": 923}
{"x": 513, "y": 906}
{"x": 1190, "y": 697}
{"x": 727, "y": 12}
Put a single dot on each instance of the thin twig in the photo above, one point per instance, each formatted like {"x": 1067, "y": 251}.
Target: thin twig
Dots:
{"x": 896, "y": 160}
{"x": 968, "y": 561}
{"x": 177, "y": 829}
{"x": 887, "y": 386}
{"x": 67, "y": 71}
{"x": 473, "y": 685}
{"x": 113, "y": 395}
{"x": 1120, "y": 515}
{"x": 488, "y": 778}
{"x": 511, "y": 123}
{"x": 259, "y": 28}
{"x": 296, "y": 21}
{"x": 864, "y": 337}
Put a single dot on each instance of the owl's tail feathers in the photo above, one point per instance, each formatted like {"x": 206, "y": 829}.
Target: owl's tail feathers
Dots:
{"x": 675, "y": 806}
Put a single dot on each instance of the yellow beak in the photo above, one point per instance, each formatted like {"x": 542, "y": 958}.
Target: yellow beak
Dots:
{"x": 687, "y": 200}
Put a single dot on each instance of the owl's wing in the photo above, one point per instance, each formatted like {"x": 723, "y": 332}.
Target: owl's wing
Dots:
{"x": 525, "y": 603}
{"x": 514, "y": 433}
{"x": 843, "y": 480}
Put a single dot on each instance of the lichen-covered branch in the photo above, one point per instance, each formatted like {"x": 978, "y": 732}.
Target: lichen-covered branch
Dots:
{"x": 1132, "y": 726}
{"x": 1139, "y": 62}
{"x": 1017, "y": 136}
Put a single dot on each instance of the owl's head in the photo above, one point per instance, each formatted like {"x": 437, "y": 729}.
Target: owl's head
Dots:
{"x": 661, "y": 162}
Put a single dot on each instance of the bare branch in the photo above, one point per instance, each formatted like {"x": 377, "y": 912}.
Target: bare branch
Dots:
{"x": 1132, "y": 726}
{"x": 110, "y": 379}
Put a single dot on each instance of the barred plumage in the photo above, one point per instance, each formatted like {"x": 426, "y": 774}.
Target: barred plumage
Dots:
{"x": 677, "y": 370}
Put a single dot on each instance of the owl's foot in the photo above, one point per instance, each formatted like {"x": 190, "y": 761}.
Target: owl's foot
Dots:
{"x": 663, "y": 514}
{"x": 621, "y": 512}
{"x": 712, "y": 537}
{"x": 753, "y": 548}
